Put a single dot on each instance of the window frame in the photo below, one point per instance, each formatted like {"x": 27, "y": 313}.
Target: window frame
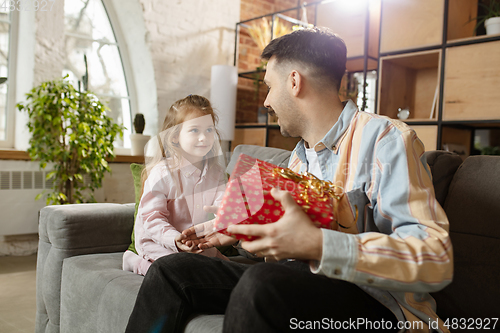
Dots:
{"x": 125, "y": 64}
{"x": 127, "y": 68}
{"x": 130, "y": 32}
{"x": 10, "y": 110}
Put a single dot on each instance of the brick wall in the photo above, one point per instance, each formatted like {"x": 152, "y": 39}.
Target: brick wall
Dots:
{"x": 248, "y": 100}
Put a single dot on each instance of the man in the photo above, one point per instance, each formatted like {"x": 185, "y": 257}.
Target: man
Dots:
{"x": 373, "y": 274}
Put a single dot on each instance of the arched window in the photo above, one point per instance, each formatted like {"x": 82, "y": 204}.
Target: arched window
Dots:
{"x": 91, "y": 48}
{"x": 6, "y": 72}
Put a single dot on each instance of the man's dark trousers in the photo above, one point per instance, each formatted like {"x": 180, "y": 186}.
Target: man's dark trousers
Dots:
{"x": 266, "y": 297}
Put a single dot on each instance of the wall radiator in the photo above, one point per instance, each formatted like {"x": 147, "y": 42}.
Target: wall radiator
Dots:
{"x": 20, "y": 182}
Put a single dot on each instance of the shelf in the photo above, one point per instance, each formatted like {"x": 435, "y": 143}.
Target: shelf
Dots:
{"x": 258, "y": 136}
{"x": 12, "y": 154}
{"x": 410, "y": 81}
{"x": 460, "y": 25}
{"x": 251, "y": 74}
{"x": 408, "y": 24}
{"x": 487, "y": 123}
{"x": 276, "y": 140}
{"x": 249, "y": 136}
{"x": 450, "y": 101}
{"x": 246, "y": 125}
{"x": 350, "y": 22}
{"x": 428, "y": 134}
{"x": 420, "y": 120}
{"x": 456, "y": 140}
{"x": 354, "y": 64}
{"x": 473, "y": 40}
{"x": 357, "y": 64}
{"x": 471, "y": 82}
{"x": 459, "y": 14}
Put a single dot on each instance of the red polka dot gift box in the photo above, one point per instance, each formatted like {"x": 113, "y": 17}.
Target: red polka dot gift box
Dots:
{"x": 247, "y": 198}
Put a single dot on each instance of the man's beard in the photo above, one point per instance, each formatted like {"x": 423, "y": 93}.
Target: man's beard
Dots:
{"x": 292, "y": 129}
{"x": 284, "y": 132}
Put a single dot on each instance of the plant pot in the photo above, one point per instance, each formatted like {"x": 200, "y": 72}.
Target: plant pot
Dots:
{"x": 138, "y": 142}
{"x": 492, "y": 26}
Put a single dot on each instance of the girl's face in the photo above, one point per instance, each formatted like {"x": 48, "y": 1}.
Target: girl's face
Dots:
{"x": 197, "y": 137}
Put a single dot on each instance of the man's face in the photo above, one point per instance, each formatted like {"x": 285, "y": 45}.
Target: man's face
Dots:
{"x": 280, "y": 101}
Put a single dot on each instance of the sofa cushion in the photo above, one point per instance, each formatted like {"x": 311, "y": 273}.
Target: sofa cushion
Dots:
{"x": 474, "y": 195}
{"x": 96, "y": 294}
{"x": 474, "y": 214}
{"x": 275, "y": 156}
{"x": 443, "y": 165}
{"x": 136, "y": 175}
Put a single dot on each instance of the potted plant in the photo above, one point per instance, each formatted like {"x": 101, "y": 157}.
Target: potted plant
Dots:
{"x": 139, "y": 140}
{"x": 70, "y": 129}
{"x": 490, "y": 18}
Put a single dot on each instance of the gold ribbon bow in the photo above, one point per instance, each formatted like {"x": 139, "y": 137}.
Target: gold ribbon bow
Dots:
{"x": 320, "y": 189}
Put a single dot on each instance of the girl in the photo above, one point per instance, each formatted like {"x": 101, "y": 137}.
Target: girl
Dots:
{"x": 183, "y": 174}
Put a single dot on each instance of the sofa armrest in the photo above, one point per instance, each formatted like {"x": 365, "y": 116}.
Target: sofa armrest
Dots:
{"x": 71, "y": 230}
{"x": 84, "y": 227}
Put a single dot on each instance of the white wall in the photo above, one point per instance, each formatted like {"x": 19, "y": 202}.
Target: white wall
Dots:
{"x": 179, "y": 39}
{"x": 187, "y": 37}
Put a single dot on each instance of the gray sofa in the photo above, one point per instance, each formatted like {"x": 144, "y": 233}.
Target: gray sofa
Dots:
{"x": 81, "y": 287}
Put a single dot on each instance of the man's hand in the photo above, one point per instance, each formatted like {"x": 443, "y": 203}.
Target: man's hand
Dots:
{"x": 182, "y": 247}
{"x": 292, "y": 236}
{"x": 204, "y": 237}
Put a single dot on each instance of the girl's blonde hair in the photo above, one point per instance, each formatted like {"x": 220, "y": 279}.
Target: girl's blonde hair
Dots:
{"x": 163, "y": 146}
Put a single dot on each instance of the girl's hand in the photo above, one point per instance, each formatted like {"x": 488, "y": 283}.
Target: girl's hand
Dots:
{"x": 182, "y": 247}
{"x": 204, "y": 237}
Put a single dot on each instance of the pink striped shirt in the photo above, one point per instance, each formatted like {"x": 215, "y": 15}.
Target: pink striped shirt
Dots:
{"x": 173, "y": 201}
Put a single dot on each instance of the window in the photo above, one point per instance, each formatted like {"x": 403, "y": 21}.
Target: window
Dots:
{"x": 371, "y": 83}
{"x": 89, "y": 38}
{"x": 6, "y": 75}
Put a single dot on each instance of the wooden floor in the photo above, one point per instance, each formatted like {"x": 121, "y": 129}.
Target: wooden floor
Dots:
{"x": 17, "y": 294}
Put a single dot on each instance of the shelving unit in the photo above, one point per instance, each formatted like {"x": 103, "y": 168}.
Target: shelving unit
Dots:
{"x": 430, "y": 61}
{"x": 410, "y": 81}
{"x": 358, "y": 26}
{"x": 471, "y": 78}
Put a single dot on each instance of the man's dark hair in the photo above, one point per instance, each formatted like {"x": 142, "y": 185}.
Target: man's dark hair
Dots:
{"x": 317, "y": 48}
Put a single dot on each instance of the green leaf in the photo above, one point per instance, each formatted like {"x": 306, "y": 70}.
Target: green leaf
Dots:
{"x": 50, "y": 175}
